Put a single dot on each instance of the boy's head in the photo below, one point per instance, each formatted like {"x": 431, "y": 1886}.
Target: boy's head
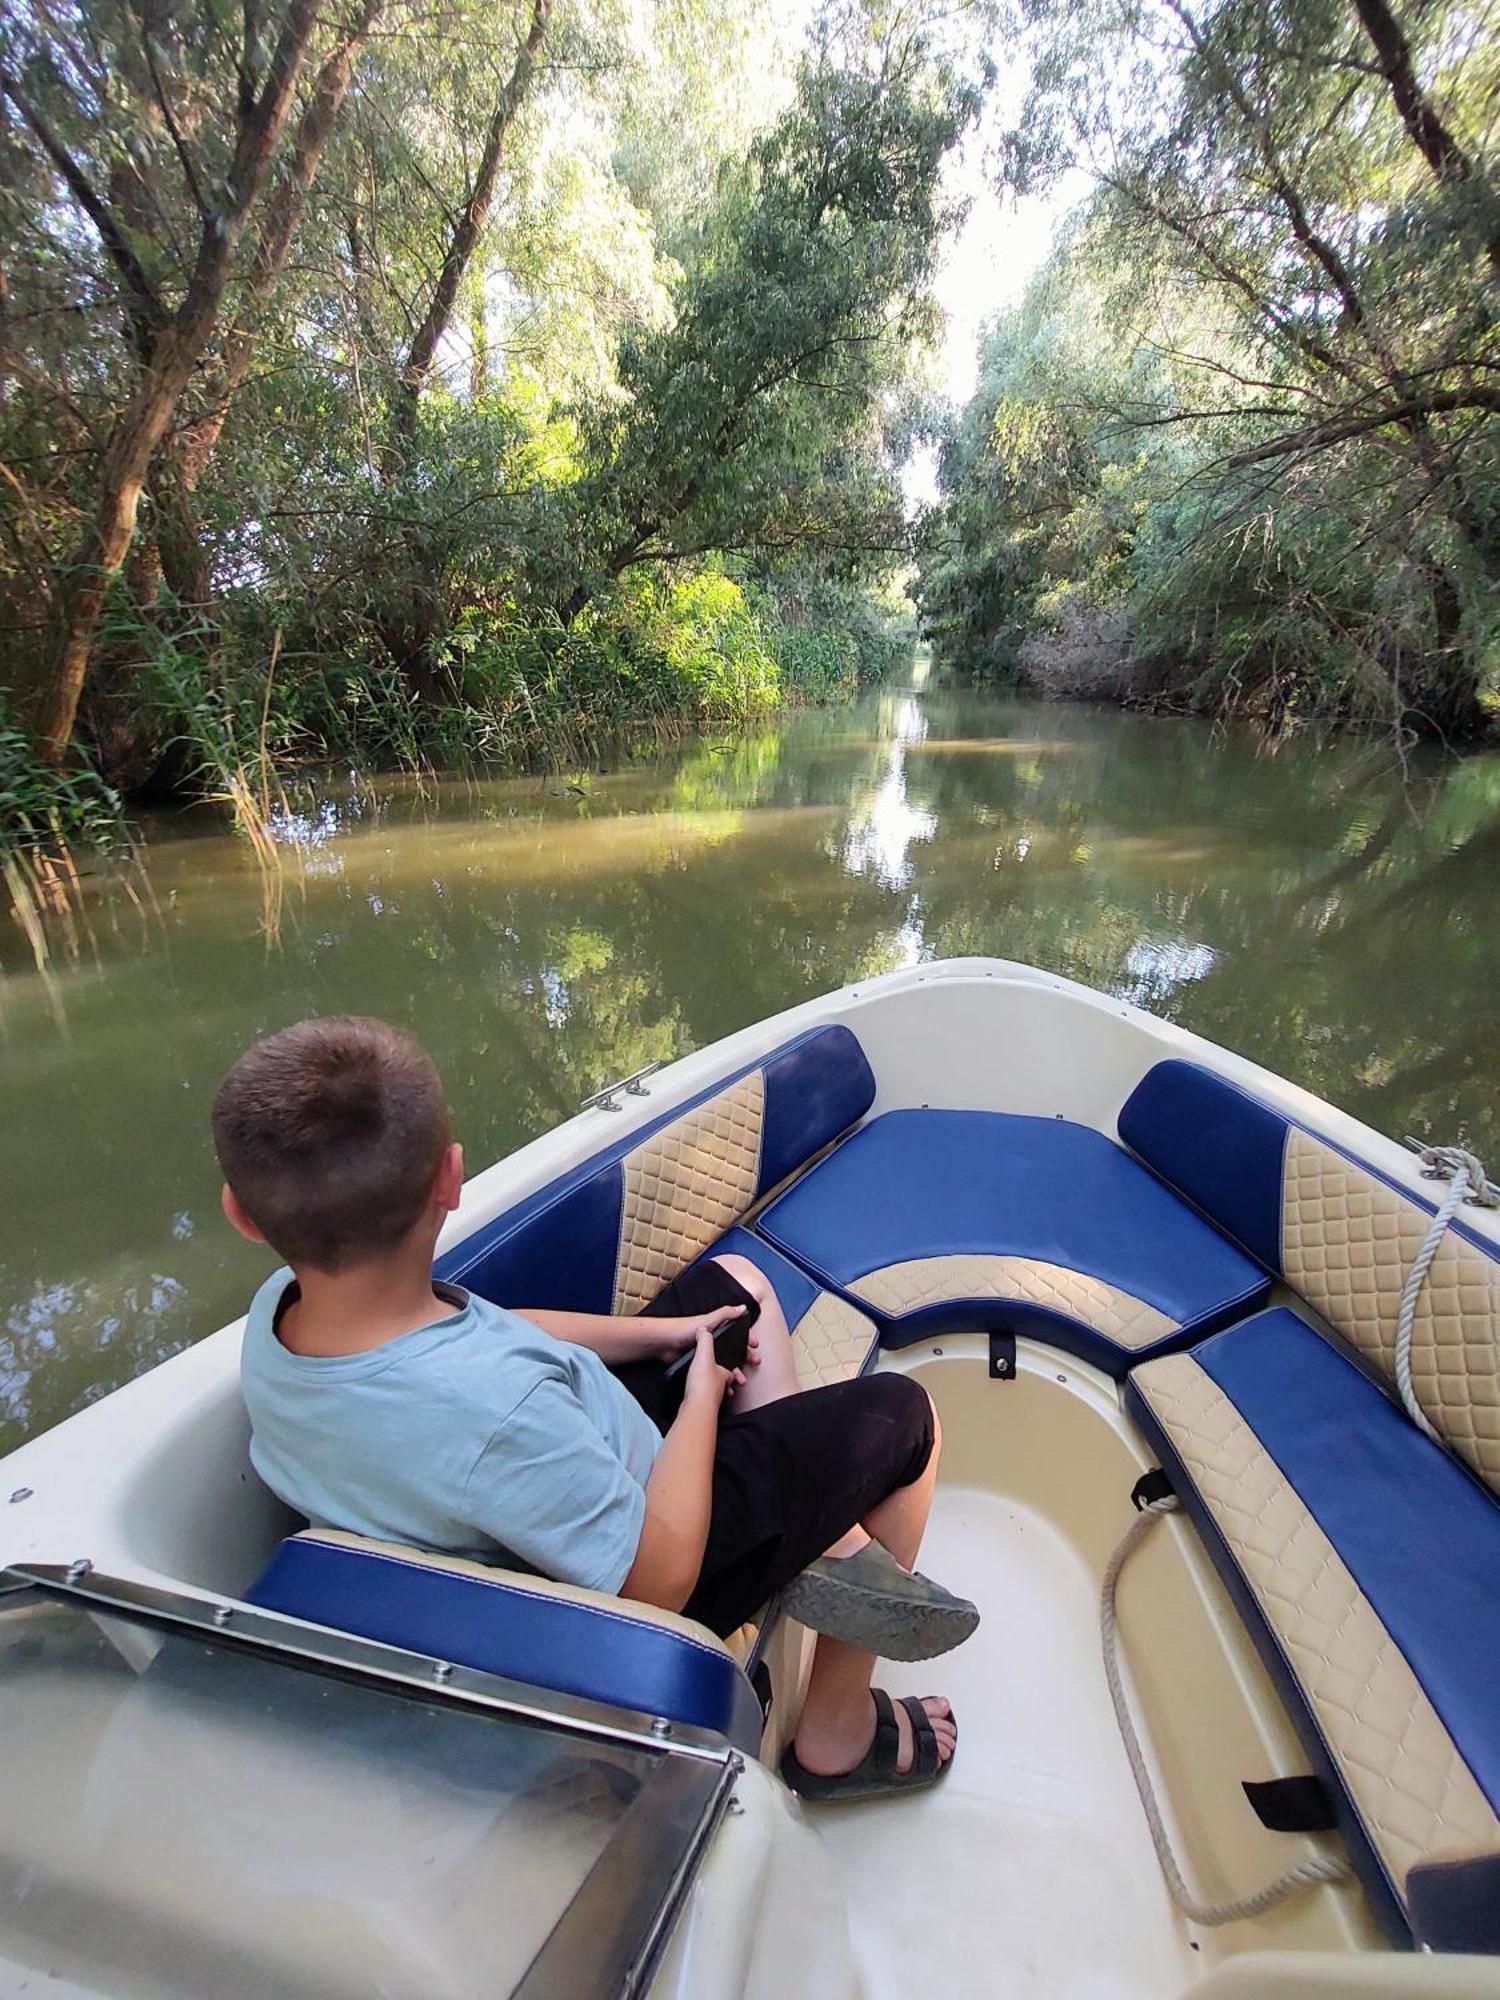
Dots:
{"x": 334, "y": 1140}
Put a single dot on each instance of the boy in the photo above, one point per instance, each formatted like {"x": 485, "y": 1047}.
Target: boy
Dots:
{"x": 388, "y": 1404}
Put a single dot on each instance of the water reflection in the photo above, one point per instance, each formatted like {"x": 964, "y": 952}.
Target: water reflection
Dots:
{"x": 1312, "y": 906}
{"x": 884, "y": 823}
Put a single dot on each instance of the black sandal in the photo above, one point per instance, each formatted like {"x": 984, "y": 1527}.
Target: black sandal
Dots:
{"x": 876, "y": 1774}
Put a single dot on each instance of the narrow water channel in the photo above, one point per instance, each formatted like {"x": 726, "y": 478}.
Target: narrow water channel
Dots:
{"x": 1319, "y": 907}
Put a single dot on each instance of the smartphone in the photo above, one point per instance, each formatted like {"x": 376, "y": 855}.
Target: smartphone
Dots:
{"x": 731, "y": 1342}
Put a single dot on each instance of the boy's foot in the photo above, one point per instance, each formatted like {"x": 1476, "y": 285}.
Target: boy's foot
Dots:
{"x": 908, "y": 1746}
{"x": 869, "y": 1600}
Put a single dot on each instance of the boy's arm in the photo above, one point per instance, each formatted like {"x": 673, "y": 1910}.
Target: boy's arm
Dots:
{"x": 617, "y": 1337}
{"x": 679, "y": 1492}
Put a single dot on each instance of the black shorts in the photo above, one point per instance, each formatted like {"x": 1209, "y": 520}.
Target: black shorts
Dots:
{"x": 791, "y": 1477}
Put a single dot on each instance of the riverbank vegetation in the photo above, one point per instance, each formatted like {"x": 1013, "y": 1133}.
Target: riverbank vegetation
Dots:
{"x": 1237, "y": 448}
{"x": 471, "y": 381}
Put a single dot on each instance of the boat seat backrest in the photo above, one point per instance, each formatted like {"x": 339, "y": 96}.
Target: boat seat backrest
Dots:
{"x": 609, "y": 1234}
{"x": 1342, "y": 1235}
{"x": 521, "y": 1627}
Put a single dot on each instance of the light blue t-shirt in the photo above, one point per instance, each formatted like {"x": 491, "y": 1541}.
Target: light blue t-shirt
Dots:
{"x": 479, "y": 1435}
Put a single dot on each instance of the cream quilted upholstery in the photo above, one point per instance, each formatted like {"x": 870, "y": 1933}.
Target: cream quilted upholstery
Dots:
{"x": 926, "y": 1281}
{"x": 1415, "y": 1794}
{"x": 1348, "y": 1242}
{"x": 684, "y": 1187}
{"x": 832, "y": 1342}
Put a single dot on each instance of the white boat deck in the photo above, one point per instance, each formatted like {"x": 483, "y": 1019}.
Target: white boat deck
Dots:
{"x": 1038, "y": 1825}
{"x": 1029, "y": 1873}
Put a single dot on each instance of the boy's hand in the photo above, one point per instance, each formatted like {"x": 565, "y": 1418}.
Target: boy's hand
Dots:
{"x": 672, "y": 1337}
{"x": 707, "y": 1382}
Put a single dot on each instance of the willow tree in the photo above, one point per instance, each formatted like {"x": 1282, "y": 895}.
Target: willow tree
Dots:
{"x": 206, "y": 107}
{"x": 1298, "y": 212}
{"x": 806, "y": 288}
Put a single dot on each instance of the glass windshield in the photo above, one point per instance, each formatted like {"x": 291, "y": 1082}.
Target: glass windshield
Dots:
{"x": 177, "y": 1816}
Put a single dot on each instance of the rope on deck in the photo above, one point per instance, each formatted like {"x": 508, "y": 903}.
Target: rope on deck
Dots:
{"x": 1307, "y": 1874}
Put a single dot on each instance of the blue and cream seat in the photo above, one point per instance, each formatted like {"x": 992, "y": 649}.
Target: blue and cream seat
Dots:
{"x": 1364, "y": 1556}
{"x": 607, "y": 1236}
{"x": 524, "y": 1628}
{"x": 935, "y": 1220}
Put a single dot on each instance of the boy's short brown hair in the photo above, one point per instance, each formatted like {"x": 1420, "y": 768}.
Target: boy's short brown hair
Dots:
{"x": 330, "y": 1134}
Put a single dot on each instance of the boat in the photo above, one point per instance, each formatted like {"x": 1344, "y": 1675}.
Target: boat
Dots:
{"x": 1220, "y": 1469}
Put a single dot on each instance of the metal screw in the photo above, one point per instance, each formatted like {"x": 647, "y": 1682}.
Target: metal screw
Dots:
{"x": 442, "y": 1670}
{"x": 77, "y": 1571}
{"x": 661, "y": 1726}
{"x": 223, "y": 1613}
{"x": 21, "y": 1493}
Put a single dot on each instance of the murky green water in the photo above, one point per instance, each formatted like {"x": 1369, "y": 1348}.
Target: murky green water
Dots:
{"x": 1313, "y": 906}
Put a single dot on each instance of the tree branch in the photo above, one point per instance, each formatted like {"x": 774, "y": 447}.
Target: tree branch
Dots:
{"x": 124, "y": 259}
{"x": 1431, "y": 137}
{"x": 1318, "y": 437}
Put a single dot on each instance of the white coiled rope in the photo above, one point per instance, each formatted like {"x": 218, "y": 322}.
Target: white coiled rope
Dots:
{"x": 1306, "y": 1874}
{"x": 1466, "y": 1182}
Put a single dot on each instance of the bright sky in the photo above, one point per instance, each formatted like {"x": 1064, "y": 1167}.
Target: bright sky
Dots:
{"x": 986, "y": 269}
{"x": 990, "y": 261}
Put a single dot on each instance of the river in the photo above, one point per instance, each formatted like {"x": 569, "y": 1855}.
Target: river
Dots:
{"x": 1321, "y": 907}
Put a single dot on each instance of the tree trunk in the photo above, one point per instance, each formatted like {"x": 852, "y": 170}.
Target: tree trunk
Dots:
{"x": 148, "y": 416}
{"x": 462, "y": 244}
{"x": 1431, "y": 137}
{"x": 187, "y": 453}
{"x": 1449, "y": 700}
{"x": 414, "y": 625}
{"x": 283, "y": 217}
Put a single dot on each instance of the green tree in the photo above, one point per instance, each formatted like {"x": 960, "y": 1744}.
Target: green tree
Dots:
{"x": 1293, "y": 244}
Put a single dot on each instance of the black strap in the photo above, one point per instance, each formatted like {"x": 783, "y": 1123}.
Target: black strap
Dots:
{"x": 1152, "y": 1485}
{"x": 760, "y": 1680}
{"x": 1292, "y": 1805}
{"x": 886, "y": 1748}
{"x": 1002, "y": 1357}
{"x": 924, "y": 1743}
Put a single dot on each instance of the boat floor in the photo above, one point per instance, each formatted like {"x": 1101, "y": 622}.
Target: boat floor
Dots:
{"x": 1029, "y": 1870}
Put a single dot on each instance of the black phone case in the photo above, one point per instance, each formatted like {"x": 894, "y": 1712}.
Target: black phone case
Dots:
{"x": 731, "y": 1342}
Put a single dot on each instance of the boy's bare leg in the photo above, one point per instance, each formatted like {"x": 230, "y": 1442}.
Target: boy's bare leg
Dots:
{"x": 838, "y": 1716}
{"x": 837, "y": 1724}
{"x": 775, "y": 1375}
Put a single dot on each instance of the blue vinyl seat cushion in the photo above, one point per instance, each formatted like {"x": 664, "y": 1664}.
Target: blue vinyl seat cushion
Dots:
{"x": 1366, "y": 1561}
{"x": 937, "y": 1219}
{"x": 525, "y": 1629}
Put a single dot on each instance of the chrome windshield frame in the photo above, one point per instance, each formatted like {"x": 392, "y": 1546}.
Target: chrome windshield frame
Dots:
{"x": 321, "y": 1648}
{"x": 608, "y": 1942}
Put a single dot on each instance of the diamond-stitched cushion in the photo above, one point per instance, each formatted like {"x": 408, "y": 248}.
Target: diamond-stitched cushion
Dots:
{"x": 1342, "y": 1234}
{"x": 1369, "y": 1558}
{"x": 1349, "y": 1241}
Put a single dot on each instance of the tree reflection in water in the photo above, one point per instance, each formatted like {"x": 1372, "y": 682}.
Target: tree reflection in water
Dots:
{"x": 1311, "y": 904}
